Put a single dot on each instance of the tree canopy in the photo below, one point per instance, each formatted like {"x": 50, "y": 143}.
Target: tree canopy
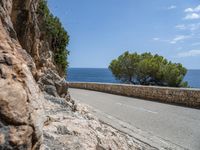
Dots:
{"x": 148, "y": 69}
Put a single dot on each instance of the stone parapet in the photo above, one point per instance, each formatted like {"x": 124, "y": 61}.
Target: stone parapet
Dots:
{"x": 182, "y": 96}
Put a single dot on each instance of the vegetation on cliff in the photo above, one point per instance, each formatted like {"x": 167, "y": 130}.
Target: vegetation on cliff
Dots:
{"x": 56, "y": 35}
{"x": 148, "y": 69}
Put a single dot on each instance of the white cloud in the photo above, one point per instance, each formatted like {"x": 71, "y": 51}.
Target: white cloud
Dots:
{"x": 195, "y": 9}
{"x": 156, "y": 39}
{"x": 190, "y": 53}
{"x": 179, "y": 38}
{"x": 192, "y": 16}
{"x": 171, "y": 7}
{"x": 188, "y": 10}
{"x": 191, "y": 27}
{"x": 180, "y": 26}
{"x": 192, "y": 13}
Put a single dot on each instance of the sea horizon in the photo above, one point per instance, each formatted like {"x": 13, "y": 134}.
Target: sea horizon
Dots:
{"x": 104, "y": 75}
{"x": 104, "y": 68}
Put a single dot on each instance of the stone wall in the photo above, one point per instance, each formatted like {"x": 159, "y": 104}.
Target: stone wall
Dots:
{"x": 182, "y": 96}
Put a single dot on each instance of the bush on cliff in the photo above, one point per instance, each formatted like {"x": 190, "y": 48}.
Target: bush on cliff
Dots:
{"x": 148, "y": 69}
{"x": 57, "y": 36}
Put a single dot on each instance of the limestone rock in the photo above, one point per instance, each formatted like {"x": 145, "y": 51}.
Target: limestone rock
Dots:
{"x": 81, "y": 130}
{"x": 13, "y": 102}
{"x": 16, "y": 137}
{"x": 51, "y": 83}
{"x": 21, "y": 102}
{"x": 21, "y": 135}
{"x": 50, "y": 89}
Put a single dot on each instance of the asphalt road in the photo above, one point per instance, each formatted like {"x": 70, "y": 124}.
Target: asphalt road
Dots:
{"x": 179, "y": 125}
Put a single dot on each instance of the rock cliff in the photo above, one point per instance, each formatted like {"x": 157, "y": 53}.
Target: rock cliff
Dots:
{"x": 36, "y": 111}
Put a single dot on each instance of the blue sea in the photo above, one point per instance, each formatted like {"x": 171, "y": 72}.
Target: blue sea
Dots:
{"x": 104, "y": 75}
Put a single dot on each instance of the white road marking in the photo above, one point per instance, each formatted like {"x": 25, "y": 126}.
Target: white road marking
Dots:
{"x": 138, "y": 108}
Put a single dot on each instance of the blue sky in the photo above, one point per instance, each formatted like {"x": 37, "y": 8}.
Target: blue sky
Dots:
{"x": 101, "y": 30}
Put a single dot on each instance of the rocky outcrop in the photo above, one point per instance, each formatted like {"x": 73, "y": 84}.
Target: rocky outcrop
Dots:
{"x": 36, "y": 111}
{"x": 28, "y": 27}
{"x": 66, "y": 130}
{"x": 21, "y": 101}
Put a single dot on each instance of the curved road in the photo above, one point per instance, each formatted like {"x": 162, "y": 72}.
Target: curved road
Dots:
{"x": 179, "y": 125}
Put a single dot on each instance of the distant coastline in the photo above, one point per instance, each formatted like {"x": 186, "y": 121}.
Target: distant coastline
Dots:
{"x": 104, "y": 75}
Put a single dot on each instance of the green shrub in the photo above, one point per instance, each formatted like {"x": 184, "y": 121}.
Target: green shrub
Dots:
{"x": 56, "y": 34}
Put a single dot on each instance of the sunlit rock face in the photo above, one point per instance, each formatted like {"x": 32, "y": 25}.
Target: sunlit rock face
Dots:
{"x": 21, "y": 101}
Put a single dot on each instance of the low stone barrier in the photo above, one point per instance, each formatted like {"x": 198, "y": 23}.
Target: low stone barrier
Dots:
{"x": 182, "y": 96}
